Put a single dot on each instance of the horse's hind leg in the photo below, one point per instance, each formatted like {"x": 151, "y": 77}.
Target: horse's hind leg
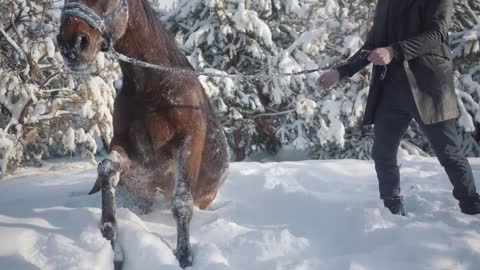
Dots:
{"x": 108, "y": 177}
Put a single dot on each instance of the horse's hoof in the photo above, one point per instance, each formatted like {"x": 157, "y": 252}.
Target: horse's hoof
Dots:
{"x": 184, "y": 257}
{"x": 117, "y": 265}
{"x": 118, "y": 256}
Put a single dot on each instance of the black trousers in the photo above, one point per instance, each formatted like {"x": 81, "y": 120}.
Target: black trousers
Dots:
{"x": 395, "y": 112}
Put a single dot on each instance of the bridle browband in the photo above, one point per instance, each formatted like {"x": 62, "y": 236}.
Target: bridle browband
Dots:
{"x": 89, "y": 16}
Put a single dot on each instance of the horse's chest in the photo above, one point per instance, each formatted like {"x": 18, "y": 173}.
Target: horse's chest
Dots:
{"x": 151, "y": 134}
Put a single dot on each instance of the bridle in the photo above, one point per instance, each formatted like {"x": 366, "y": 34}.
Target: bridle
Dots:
{"x": 89, "y": 16}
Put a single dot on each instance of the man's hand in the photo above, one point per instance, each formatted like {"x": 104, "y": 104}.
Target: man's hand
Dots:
{"x": 381, "y": 56}
{"x": 328, "y": 79}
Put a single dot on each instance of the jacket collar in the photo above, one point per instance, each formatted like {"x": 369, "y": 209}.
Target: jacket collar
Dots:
{"x": 408, "y": 3}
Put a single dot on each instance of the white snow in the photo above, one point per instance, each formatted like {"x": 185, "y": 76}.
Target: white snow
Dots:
{"x": 68, "y": 140}
{"x": 292, "y": 215}
{"x": 335, "y": 131}
{"x": 306, "y": 107}
{"x": 166, "y": 4}
{"x": 247, "y": 20}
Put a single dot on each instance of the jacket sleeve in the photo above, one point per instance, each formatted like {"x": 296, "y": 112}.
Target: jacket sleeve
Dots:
{"x": 355, "y": 63}
{"x": 438, "y": 15}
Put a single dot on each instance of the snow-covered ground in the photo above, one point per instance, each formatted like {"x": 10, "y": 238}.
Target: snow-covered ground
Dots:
{"x": 322, "y": 215}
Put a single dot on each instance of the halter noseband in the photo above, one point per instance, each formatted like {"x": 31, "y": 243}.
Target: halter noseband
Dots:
{"x": 89, "y": 16}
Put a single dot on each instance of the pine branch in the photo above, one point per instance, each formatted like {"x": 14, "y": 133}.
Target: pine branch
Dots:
{"x": 15, "y": 21}
{"x": 470, "y": 11}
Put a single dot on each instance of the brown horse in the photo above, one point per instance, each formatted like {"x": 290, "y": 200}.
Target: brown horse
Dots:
{"x": 166, "y": 140}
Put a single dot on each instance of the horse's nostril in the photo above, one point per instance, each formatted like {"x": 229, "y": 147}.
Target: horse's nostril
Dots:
{"x": 84, "y": 42}
{"x": 72, "y": 57}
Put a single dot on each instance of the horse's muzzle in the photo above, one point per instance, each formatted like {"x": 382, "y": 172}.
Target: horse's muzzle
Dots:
{"x": 73, "y": 50}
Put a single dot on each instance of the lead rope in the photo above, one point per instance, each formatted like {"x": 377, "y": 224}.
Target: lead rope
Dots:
{"x": 362, "y": 55}
{"x": 85, "y": 13}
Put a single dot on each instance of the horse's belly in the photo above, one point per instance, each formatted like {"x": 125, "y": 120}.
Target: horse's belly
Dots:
{"x": 152, "y": 174}
{"x": 152, "y": 182}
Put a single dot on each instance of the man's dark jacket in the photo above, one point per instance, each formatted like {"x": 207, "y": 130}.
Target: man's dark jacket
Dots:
{"x": 425, "y": 54}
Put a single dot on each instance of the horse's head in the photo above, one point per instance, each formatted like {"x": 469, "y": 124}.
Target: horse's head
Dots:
{"x": 90, "y": 26}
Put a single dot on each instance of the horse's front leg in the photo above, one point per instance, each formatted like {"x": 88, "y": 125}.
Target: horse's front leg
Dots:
{"x": 188, "y": 166}
{"x": 108, "y": 178}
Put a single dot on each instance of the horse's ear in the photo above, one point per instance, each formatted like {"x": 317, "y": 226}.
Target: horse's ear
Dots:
{"x": 96, "y": 188}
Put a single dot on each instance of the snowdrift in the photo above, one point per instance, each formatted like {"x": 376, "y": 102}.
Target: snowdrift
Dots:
{"x": 297, "y": 215}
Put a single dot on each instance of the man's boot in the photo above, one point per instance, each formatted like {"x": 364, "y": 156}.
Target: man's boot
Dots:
{"x": 470, "y": 206}
{"x": 395, "y": 205}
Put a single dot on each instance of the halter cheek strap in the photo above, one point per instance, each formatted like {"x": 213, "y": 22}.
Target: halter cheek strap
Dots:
{"x": 89, "y": 16}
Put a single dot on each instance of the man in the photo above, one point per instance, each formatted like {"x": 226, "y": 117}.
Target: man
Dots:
{"x": 409, "y": 41}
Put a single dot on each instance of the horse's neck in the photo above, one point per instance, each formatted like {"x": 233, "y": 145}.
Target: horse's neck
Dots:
{"x": 140, "y": 41}
{"x": 146, "y": 41}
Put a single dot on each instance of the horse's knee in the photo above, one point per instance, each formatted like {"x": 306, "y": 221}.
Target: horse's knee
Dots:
{"x": 182, "y": 206}
{"x": 109, "y": 167}
{"x": 109, "y": 229}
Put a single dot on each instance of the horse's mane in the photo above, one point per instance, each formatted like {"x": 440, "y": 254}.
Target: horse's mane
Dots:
{"x": 175, "y": 55}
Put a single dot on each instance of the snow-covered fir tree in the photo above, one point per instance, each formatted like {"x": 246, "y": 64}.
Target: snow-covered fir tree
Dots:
{"x": 465, "y": 40}
{"x": 270, "y": 36}
{"x": 241, "y": 36}
{"x": 45, "y": 110}
{"x": 226, "y": 36}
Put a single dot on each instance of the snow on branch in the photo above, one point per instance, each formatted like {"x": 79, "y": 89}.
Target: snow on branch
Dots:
{"x": 39, "y": 100}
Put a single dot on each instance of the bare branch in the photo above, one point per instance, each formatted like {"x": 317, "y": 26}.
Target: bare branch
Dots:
{"x": 273, "y": 114}
{"x": 23, "y": 114}
{"x": 49, "y": 79}
{"x": 41, "y": 20}
{"x": 17, "y": 19}
{"x": 12, "y": 42}
{"x": 12, "y": 23}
